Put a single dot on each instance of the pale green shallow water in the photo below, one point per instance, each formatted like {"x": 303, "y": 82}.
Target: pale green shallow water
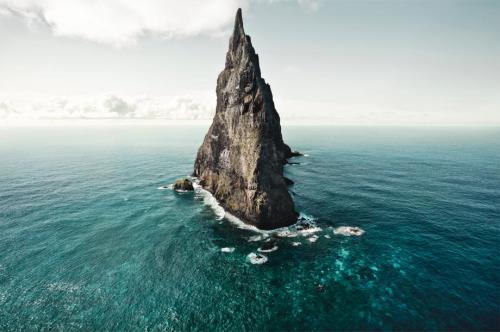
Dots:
{"x": 88, "y": 242}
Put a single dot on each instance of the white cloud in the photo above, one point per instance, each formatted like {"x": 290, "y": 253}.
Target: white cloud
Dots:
{"x": 107, "y": 107}
{"x": 200, "y": 108}
{"x": 310, "y": 5}
{"x": 122, "y": 22}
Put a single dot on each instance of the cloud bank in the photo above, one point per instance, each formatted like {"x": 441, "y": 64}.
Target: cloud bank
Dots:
{"x": 106, "y": 107}
{"x": 200, "y": 108}
{"x": 122, "y": 22}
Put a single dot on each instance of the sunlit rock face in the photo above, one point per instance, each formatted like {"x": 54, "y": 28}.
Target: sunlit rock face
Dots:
{"x": 242, "y": 156}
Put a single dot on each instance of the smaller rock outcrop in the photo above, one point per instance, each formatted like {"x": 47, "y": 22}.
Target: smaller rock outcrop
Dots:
{"x": 183, "y": 185}
{"x": 296, "y": 154}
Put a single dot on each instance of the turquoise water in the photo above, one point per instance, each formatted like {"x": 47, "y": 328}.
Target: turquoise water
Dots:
{"x": 88, "y": 242}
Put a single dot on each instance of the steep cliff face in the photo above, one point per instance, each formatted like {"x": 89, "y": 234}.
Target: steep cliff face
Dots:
{"x": 242, "y": 156}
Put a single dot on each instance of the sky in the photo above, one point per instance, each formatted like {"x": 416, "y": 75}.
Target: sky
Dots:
{"x": 345, "y": 62}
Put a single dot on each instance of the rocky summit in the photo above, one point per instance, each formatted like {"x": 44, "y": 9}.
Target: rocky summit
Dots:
{"x": 242, "y": 156}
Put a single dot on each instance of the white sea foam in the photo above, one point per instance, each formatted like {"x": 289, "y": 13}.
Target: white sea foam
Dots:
{"x": 227, "y": 249}
{"x": 306, "y": 217}
{"x": 327, "y": 236}
{"x": 313, "y": 238}
{"x": 171, "y": 187}
{"x": 256, "y": 258}
{"x": 305, "y": 225}
{"x": 286, "y": 233}
{"x": 308, "y": 231}
{"x": 274, "y": 248}
{"x": 241, "y": 224}
{"x": 296, "y": 244}
{"x": 209, "y": 200}
{"x": 256, "y": 238}
{"x": 348, "y": 231}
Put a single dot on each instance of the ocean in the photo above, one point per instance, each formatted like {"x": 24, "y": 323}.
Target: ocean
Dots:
{"x": 88, "y": 241}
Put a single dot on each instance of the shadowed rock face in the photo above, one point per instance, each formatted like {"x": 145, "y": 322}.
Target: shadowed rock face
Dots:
{"x": 242, "y": 156}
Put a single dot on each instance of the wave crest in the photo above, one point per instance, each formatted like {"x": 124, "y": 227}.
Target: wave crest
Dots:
{"x": 348, "y": 231}
{"x": 256, "y": 258}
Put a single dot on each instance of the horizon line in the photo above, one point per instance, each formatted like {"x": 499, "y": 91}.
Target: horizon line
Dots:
{"x": 184, "y": 122}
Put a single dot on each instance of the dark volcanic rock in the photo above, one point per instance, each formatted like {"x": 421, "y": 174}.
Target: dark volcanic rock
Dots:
{"x": 183, "y": 184}
{"x": 242, "y": 156}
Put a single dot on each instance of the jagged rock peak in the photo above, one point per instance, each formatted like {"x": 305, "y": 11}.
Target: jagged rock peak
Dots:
{"x": 238, "y": 37}
{"x": 240, "y": 47}
{"x": 238, "y": 24}
{"x": 242, "y": 156}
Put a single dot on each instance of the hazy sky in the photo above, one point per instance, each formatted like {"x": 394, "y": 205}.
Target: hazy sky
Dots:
{"x": 339, "y": 61}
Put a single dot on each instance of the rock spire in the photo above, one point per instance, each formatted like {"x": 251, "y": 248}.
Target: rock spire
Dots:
{"x": 241, "y": 158}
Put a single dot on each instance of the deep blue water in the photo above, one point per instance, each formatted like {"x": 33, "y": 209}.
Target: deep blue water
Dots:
{"x": 88, "y": 242}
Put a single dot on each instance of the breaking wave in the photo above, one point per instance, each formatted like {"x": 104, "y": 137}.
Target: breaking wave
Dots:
{"x": 305, "y": 225}
{"x": 286, "y": 233}
{"x": 256, "y": 238}
{"x": 209, "y": 200}
{"x": 274, "y": 248}
{"x": 348, "y": 231}
{"x": 256, "y": 258}
{"x": 313, "y": 238}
